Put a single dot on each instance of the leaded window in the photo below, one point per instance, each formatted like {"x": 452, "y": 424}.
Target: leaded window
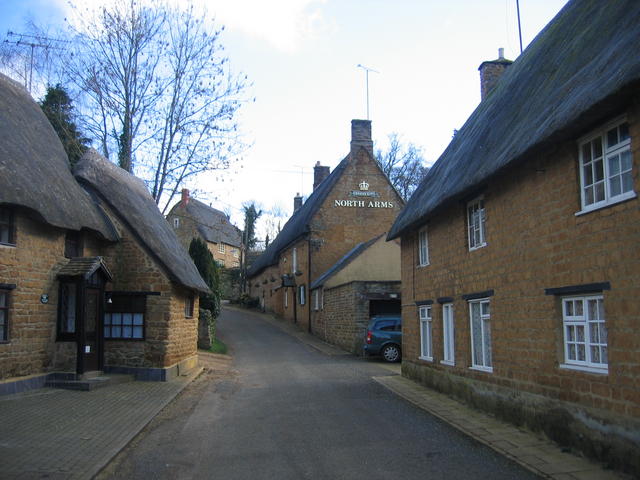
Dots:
{"x": 7, "y": 227}
{"x": 124, "y": 317}
{"x": 68, "y": 308}
{"x": 4, "y": 314}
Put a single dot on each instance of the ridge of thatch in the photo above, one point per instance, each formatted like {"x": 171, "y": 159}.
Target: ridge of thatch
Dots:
{"x": 129, "y": 198}
{"x": 34, "y": 169}
{"x": 213, "y": 225}
{"x": 578, "y": 71}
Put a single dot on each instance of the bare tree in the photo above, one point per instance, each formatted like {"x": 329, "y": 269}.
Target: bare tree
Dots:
{"x": 114, "y": 61}
{"x": 194, "y": 123}
{"x": 404, "y": 165}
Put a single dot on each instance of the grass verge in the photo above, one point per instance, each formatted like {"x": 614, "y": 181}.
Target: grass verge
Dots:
{"x": 217, "y": 347}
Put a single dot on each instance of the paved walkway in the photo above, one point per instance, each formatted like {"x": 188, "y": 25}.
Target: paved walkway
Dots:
{"x": 65, "y": 434}
{"x": 62, "y": 434}
{"x": 532, "y": 451}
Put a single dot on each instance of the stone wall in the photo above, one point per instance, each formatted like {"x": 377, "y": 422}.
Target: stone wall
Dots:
{"x": 345, "y": 313}
{"x": 32, "y": 265}
{"x": 535, "y": 241}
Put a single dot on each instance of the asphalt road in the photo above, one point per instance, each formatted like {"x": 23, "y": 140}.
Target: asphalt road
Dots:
{"x": 282, "y": 410}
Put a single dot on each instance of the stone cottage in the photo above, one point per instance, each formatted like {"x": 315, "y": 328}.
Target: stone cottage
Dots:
{"x": 91, "y": 275}
{"x": 190, "y": 218}
{"x": 348, "y": 206}
{"x": 520, "y": 259}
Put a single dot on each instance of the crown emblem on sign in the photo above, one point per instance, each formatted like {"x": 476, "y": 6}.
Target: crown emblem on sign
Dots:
{"x": 364, "y": 185}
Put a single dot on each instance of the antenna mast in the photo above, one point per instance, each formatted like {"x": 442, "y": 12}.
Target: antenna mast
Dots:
{"x": 35, "y": 43}
{"x": 367, "y": 70}
{"x": 519, "y": 28}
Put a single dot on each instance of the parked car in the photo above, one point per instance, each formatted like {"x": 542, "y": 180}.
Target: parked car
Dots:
{"x": 384, "y": 337}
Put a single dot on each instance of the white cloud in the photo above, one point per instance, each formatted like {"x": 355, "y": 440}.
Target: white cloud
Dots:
{"x": 285, "y": 24}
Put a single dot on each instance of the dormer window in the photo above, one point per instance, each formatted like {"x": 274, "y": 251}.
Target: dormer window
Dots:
{"x": 476, "y": 223}
{"x": 606, "y": 167}
{"x": 7, "y": 226}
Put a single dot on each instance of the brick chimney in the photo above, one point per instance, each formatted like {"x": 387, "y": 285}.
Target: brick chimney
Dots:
{"x": 361, "y": 135}
{"x": 185, "y": 197}
{"x": 297, "y": 202}
{"x": 319, "y": 174}
{"x": 490, "y": 73}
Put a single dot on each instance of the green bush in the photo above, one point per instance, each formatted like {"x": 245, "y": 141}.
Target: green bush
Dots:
{"x": 210, "y": 273}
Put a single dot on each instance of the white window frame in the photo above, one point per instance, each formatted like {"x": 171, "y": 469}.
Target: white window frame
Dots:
{"x": 286, "y": 298}
{"x": 484, "y": 320}
{"x": 302, "y": 294}
{"x": 236, "y": 252}
{"x": 448, "y": 335}
{"x": 594, "y": 149}
{"x": 176, "y": 222}
{"x": 221, "y": 248}
{"x": 423, "y": 247}
{"x": 476, "y": 223}
{"x": 294, "y": 262}
{"x": 426, "y": 333}
{"x": 582, "y": 331}
{"x": 317, "y": 299}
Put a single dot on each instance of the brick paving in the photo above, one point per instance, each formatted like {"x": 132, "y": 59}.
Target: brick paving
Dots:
{"x": 532, "y": 451}
{"x": 65, "y": 434}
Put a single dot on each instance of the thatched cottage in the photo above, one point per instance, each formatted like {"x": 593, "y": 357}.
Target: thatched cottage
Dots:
{"x": 91, "y": 275}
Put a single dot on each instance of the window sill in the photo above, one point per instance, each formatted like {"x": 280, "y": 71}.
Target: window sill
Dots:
{"x": 471, "y": 249}
{"x": 448, "y": 363}
{"x": 423, "y": 265}
{"x": 426, "y": 359}
{"x": 584, "y": 368}
{"x": 482, "y": 369}
{"x": 600, "y": 205}
{"x": 8, "y": 245}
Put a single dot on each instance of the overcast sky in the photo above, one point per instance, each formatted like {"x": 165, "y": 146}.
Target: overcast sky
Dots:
{"x": 302, "y": 57}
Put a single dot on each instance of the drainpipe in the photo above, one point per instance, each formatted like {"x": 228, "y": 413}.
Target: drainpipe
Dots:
{"x": 295, "y": 306}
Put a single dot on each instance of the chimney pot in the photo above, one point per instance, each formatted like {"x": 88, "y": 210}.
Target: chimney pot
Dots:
{"x": 297, "y": 202}
{"x": 185, "y": 196}
{"x": 490, "y": 73}
{"x": 319, "y": 174}
{"x": 361, "y": 135}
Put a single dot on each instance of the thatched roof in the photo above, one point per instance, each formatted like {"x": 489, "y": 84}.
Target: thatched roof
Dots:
{"x": 34, "y": 169}
{"x": 298, "y": 224}
{"x": 213, "y": 225}
{"x": 129, "y": 198}
{"x": 582, "y": 68}
{"x": 351, "y": 255}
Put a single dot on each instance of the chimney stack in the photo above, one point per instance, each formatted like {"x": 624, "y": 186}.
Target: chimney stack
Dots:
{"x": 319, "y": 174}
{"x": 490, "y": 73}
{"x": 361, "y": 135}
{"x": 185, "y": 197}
{"x": 297, "y": 202}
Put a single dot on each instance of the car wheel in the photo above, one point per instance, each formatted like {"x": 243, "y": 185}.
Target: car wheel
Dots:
{"x": 391, "y": 353}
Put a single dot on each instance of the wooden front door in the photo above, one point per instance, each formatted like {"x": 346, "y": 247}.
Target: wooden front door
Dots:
{"x": 92, "y": 344}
